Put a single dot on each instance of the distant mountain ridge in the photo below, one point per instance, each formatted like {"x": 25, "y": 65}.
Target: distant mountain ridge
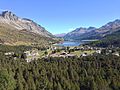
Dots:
{"x": 92, "y": 32}
{"x": 60, "y": 35}
{"x": 78, "y": 32}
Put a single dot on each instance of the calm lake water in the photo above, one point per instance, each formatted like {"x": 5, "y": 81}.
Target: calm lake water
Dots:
{"x": 68, "y": 43}
{"x": 72, "y": 43}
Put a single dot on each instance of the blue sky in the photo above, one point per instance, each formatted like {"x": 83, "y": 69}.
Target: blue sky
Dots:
{"x": 61, "y": 16}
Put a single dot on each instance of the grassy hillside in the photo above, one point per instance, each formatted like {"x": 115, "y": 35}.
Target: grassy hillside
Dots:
{"x": 11, "y": 36}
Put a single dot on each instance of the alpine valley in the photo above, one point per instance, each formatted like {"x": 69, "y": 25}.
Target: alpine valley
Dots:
{"x": 31, "y": 59}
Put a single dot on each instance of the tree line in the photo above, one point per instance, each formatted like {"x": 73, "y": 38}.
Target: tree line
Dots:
{"x": 99, "y": 72}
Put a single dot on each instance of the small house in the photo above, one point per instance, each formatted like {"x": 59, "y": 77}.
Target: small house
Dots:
{"x": 84, "y": 55}
{"x": 116, "y": 54}
{"x": 98, "y": 51}
{"x": 31, "y": 55}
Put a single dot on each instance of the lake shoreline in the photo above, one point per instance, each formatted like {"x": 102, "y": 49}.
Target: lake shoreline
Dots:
{"x": 73, "y": 43}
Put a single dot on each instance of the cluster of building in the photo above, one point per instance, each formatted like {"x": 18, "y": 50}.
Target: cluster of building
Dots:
{"x": 31, "y": 55}
{"x": 63, "y": 54}
{"x": 34, "y": 54}
{"x": 28, "y": 55}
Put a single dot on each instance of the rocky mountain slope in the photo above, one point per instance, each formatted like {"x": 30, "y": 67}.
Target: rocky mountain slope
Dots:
{"x": 15, "y": 30}
{"x": 94, "y": 33}
{"x": 11, "y": 19}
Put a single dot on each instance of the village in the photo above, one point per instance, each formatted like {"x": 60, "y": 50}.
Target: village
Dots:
{"x": 64, "y": 52}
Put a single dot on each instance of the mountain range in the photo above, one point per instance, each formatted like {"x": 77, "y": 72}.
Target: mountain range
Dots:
{"x": 92, "y": 32}
{"x": 60, "y": 35}
{"x": 22, "y": 31}
{"x": 16, "y": 31}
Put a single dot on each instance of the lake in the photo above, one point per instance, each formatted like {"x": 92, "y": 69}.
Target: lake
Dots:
{"x": 69, "y": 43}
{"x": 73, "y": 43}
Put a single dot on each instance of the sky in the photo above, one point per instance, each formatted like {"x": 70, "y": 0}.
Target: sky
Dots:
{"x": 62, "y": 16}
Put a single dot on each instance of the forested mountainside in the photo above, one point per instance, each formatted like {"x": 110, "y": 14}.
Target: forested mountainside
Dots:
{"x": 92, "y": 32}
{"x": 99, "y": 72}
{"x": 109, "y": 40}
{"x": 19, "y": 31}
